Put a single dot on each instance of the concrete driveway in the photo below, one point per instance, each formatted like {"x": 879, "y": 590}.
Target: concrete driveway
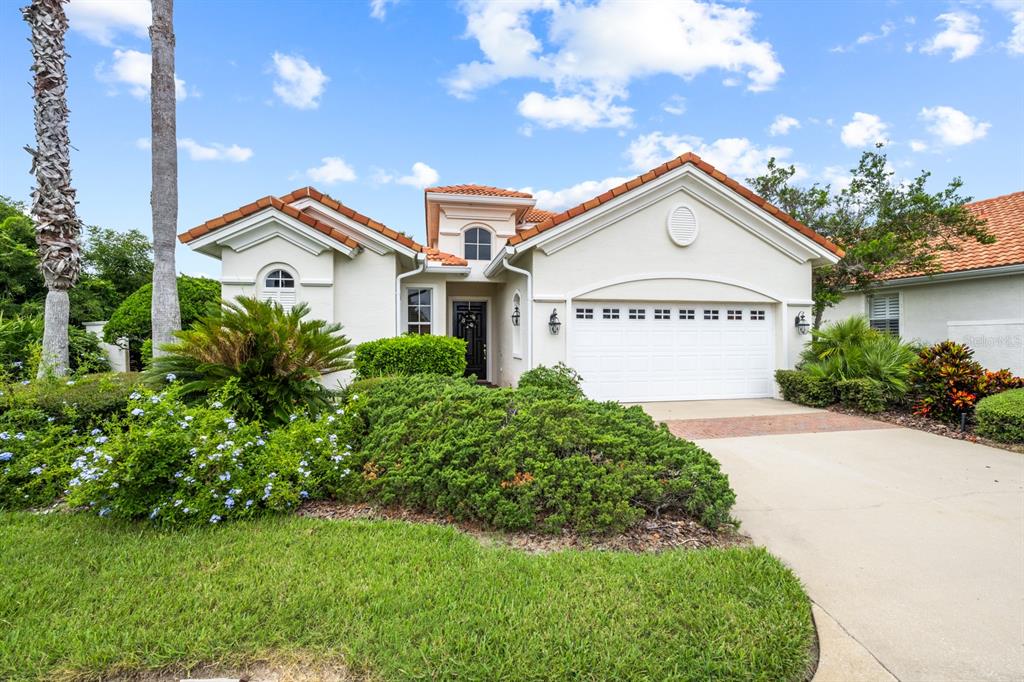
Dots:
{"x": 911, "y": 545}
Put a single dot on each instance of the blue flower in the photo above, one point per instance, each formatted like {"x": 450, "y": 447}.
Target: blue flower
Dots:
{"x": 135, "y": 396}
{"x": 170, "y": 376}
{"x": 6, "y": 456}
{"x": 137, "y": 412}
{"x": 95, "y": 432}
{"x": 303, "y": 494}
{"x": 153, "y": 514}
{"x": 4, "y": 435}
{"x": 100, "y": 440}
{"x": 104, "y": 511}
{"x": 214, "y": 519}
{"x": 226, "y": 476}
{"x": 217, "y": 404}
{"x": 35, "y": 471}
{"x": 248, "y": 503}
{"x": 229, "y": 502}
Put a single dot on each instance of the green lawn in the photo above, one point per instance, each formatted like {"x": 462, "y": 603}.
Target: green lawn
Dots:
{"x": 398, "y": 601}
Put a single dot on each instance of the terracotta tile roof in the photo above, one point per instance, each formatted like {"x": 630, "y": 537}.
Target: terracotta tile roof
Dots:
{"x": 1004, "y": 219}
{"x": 536, "y": 215}
{"x": 691, "y": 158}
{"x": 283, "y": 204}
{"x": 479, "y": 190}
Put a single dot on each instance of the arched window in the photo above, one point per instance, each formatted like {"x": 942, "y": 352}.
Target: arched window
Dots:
{"x": 478, "y": 244}
{"x": 279, "y": 286}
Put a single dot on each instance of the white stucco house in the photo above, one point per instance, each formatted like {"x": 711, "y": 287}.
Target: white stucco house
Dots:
{"x": 679, "y": 284}
{"x": 977, "y": 298}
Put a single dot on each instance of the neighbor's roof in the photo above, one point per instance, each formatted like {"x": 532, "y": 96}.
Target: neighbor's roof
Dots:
{"x": 691, "y": 158}
{"x": 478, "y": 190}
{"x": 283, "y": 204}
{"x": 1004, "y": 220}
{"x": 536, "y": 215}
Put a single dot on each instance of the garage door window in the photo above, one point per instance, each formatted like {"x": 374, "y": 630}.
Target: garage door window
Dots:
{"x": 710, "y": 314}
{"x": 734, "y": 314}
{"x": 757, "y": 315}
{"x": 584, "y": 313}
{"x": 637, "y": 313}
{"x": 662, "y": 314}
{"x": 610, "y": 313}
{"x": 687, "y": 314}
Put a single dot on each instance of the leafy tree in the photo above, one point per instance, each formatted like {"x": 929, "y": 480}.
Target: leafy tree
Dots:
{"x": 132, "y": 319}
{"x": 115, "y": 264}
{"x": 885, "y": 226}
{"x": 21, "y": 281}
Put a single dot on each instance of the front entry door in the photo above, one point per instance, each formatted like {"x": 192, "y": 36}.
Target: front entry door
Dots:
{"x": 469, "y": 322}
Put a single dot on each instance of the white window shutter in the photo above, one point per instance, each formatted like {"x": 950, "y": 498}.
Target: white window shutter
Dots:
{"x": 682, "y": 225}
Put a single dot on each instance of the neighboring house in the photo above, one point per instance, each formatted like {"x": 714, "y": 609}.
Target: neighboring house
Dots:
{"x": 679, "y": 284}
{"x": 977, "y": 298}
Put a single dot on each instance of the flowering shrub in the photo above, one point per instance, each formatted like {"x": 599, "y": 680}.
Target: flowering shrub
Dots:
{"x": 947, "y": 381}
{"x": 35, "y": 463}
{"x": 174, "y": 464}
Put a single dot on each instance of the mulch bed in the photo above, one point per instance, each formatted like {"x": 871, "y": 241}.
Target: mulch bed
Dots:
{"x": 912, "y": 421}
{"x": 669, "y": 531}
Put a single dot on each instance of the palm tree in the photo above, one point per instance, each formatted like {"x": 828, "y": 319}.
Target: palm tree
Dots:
{"x": 166, "y": 314}
{"x": 53, "y": 199}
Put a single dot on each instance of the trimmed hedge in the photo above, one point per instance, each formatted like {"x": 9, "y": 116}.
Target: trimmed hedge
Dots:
{"x": 865, "y": 394}
{"x": 802, "y": 388}
{"x": 411, "y": 354}
{"x": 1001, "y": 416}
{"x": 80, "y": 403}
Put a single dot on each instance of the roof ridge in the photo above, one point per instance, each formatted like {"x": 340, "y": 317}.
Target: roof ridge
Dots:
{"x": 995, "y": 198}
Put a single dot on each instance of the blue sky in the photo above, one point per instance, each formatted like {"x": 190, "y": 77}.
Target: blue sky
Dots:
{"x": 371, "y": 101}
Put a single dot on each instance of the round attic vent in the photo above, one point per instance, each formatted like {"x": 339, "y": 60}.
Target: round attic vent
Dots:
{"x": 682, "y": 225}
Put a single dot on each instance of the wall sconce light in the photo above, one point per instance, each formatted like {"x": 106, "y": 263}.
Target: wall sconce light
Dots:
{"x": 554, "y": 324}
{"x": 802, "y": 325}
{"x": 515, "y": 317}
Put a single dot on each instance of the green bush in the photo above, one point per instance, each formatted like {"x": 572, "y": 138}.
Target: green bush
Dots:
{"x": 866, "y": 394}
{"x": 947, "y": 381}
{"x": 35, "y": 461}
{"x": 262, "y": 361}
{"x": 1001, "y": 416}
{"x": 132, "y": 319}
{"x": 21, "y": 340}
{"x": 803, "y": 388}
{"x": 80, "y": 402}
{"x": 514, "y": 461}
{"x": 411, "y": 354}
{"x": 559, "y": 381}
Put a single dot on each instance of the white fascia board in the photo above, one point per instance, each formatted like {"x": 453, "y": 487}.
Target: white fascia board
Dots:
{"x": 980, "y": 273}
{"x": 363, "y": 233}
{"x": 496, "y": 265}
{"x": 304, "y": 236}
{"x": 440, "y": 197}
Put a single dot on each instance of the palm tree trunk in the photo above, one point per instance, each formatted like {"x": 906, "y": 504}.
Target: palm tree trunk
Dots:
{"x": 166, "y": 314}
{"x": 53, "y": 199}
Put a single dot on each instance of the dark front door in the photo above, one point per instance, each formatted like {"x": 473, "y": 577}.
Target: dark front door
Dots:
{"x": 469, "y": 322}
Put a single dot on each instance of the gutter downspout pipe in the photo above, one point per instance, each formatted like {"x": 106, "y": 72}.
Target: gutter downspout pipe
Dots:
{"x": 529, "y": 316}
{"x": 422, "y": 258}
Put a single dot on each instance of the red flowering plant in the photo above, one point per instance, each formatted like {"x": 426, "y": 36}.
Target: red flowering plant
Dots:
{"x": 947, "y": 381}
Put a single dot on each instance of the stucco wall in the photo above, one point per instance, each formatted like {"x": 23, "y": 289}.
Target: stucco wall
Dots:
{"x": 455, "y": 219}
{"x": 926, "y": 311}
{"x": 364, "y": 300}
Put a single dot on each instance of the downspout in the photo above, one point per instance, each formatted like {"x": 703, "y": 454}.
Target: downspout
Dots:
{"x": 529, "y": 316}
{"x": 422, "y": 258}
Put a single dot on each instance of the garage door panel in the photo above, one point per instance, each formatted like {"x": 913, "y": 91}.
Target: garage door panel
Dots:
{"x": 656, "y": 352}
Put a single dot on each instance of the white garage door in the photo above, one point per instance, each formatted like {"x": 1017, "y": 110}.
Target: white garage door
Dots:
{"x": 634, "y": 351}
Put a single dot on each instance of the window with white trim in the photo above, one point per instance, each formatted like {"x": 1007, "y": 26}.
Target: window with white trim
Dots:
{"x": 637, "y": 313}
{"x": 687, "y": 313}
{"x": 884, "y": 313}
{"x": 419, "y": 310}
{"x": 279, "y": 287}
{"x": 477, "y": 244}
{"x": 662, "y": 314}
{"x": 710, "y": 314}
{"x": 610, "y": 313}
{"x": 734, "y": 314}
{"x": 584, "y": 313}
{"x": 757, "y": 315}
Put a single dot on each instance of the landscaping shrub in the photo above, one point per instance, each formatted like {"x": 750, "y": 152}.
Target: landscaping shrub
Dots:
{"x": 514, "y": 461}
{"x": 35, "y": 460}
{"x": 999, "y": 381}
{"x": 1001, "y": 416}
{"x": 804, "y": 389}
{"x": 80, "y": 402}
{"x": 411, "y": 354}
{"x": 263, "y": 361}
{"x": 21, "y": 340}
{"x": 947, "y": 381}
{"x": 865, "y": 394}
{"x": 559, "y": 381}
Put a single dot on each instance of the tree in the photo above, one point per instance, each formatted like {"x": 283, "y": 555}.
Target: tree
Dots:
{"x": 884, "y": 226}
{"x": 53, "y": 199}
{"x": 164, "y": 198}
{"x": 21, "y": 282}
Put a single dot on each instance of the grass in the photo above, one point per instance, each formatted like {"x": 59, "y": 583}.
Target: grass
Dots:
{"x": 82, "y": 596}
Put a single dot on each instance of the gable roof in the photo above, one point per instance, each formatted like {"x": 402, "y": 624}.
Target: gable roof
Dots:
{"x": 478, "y": 190}
{"x": 283, "y": 204}
{"x": 688, "y": 158}
{"x": 1004, "y": 220}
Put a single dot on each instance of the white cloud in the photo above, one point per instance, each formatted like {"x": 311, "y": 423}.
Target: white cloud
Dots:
{"x": 591, "y": 52}
{"x": 332, "y": 169}
{"x": 918, "y": 146}
{"x": 575, "y": 111}
{"x": 214, "y": 151}
{"x": 736, "y": 156}
{"x": 953, "y": 127}
{"x": 1015, "y": 44}
{"x": 883, "y": 31}
{"x": 782, "y": 125}
{"x": 143, "y": 143}
{"x": 102, "y": 20}
{"x": 864, "y": 130}
{"x": 837, "y": 176}
{"x": 299, "y": 84}
{"x": 134, "y": 70}
{"x": 422, "y": 176}
{"x": 379, "y": 8}
{"x": 561, "y": 199}
{"x": 962, "y": 35}
{"x": 675, "y": 105}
